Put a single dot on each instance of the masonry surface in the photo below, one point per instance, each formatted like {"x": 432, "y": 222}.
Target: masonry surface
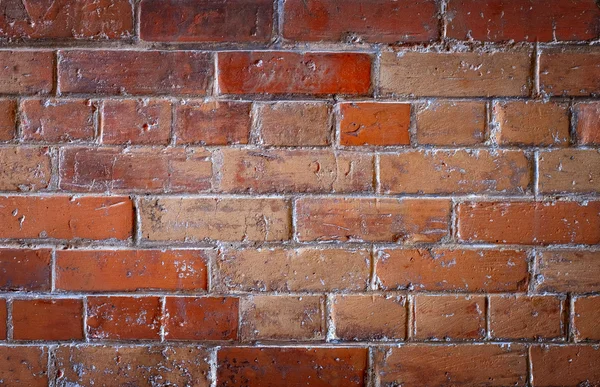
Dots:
{"x": 300, "y": 192}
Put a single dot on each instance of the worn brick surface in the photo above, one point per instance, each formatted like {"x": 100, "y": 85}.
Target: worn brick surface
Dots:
{"x": 569, "y": 271}
{"x": 203, "y": 318}
{"x": 569, "y": 171}
{"x": 587, "y": 119}
{"x": 136, "y": 121}
{"x": 47, "y": 319}
{"x": 24, "y": 168}
{"x": 450, "y": 317}
{"x": 8, "y": 119}
{"x": 565, "y": 365}
{"x": 587, "y": 314}
{"x": 57, "y": 121}
{"x": 24, "y": 365}
{"x": 566, "y": 72}
{"x": 25, "y": 269}
{"x": 450, "y": 123}
{"x": 26, "y": 72}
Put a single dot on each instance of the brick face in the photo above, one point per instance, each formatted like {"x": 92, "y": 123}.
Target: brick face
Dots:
{"x": 569, "y": 271}
{"x": 205, "y": 318}
{"x": 26, "y": 72}
{"x": 24, "y": 168}
{"x": 47, "y": 319}
{"x": 565, "y": 365}
{"x": 451, "y": 123}
{"x": 136, "y": 121}
{"x": 564, "y": 72}
{"x": 25, "y": 269}
{"x": 8, "y": 119}
{"x": 374, "y": 124}
{"x": 57, "y": 121}
{"x": 450, "y": 317}
{"x": 26, "y": 365}
{"x": 569, "y": 171}
{"x": 587, "y": 118}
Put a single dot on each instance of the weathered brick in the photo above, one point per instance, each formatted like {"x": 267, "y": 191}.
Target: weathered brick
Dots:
{"x": 123, "y": 365}
{"x": 135, "y": 72}
{"x": 293, "y": 270}
{"x": 8, "y": 119}
{"x": 265, "y": 72}
{"x": 569, "y": 72}
{"x": 569, "y": 170}
{"x": 455, "y": 171}
{"x": 587, "y": 123}
{"x": 587, "y": 315}
{"x": 25, "y": 269}
{"x": 136, "y": 121}
{"x": 526, "y": 317}
{"x": 453, "y": 270}
{"x": 531, "y": 123}
{"x": 371, "y": 123}
{"x": 26, "y": 72}
{"x": 294, "y": 123}
{"x": 3, "y": 320}
{"x": 267, "y": 317}
{"x": 452, "y": 365}
{"x": 131, "y": 270}
{"x": 568, "y": 366}
{"x": 64, "y": 217}
{"x": 112, "y": 169}
{"x": 24, "y": 366}
{"x": 568, "y": 271}
{"x": 24, "y": 168}
{"x": 374, "y": 220}
{"x": 205, "y": 219}
{"x": 67, "y": 19}
{"x": 318, "y": 367}
{"x": 213, "y": 122}
{"x": 449, "y": 317}
{"x": 529, "y": 222}
{"x": 55, "y": 120}
{"x": 370, "y": 317}
{"x": 124, "y": 318}
{"x": 228, "y": 21}
{"x": 374, "y": 21}
{"x": 47, "y": 319}
{"x": 523, "y": 20}
{"x": 450, "y": 123}
{"x": 297, "y": 170}
{"x": 457, "y": 74}
{"x": 205, "y": 318}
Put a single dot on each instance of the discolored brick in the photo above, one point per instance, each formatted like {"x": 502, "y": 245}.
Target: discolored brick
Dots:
{"x": 450, "y": 123}
{"x": 55, "y": 120}
{"x": 24, "y": 168}
{"x": 569, "y": 170}
{"x": 25, "y": 269}
{"x": 568, "y": 271}
{"x": 450, "y": 317}
{"x": 123, "y": 318}
{"x": 136, "y": 122}
{"x": 524, "y": 317}
{"x": 370, "y": 123}
{"x": 294, "y": 123}
{"x": 204, "y": 318}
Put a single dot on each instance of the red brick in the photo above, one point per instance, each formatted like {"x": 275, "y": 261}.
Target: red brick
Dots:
{"x": 569, "y": 72}
{"x": 453, "y": 270}
{"x": 568, "y": 271}
{"x": 452, "y": 365}
{"x": 530, "y": 222}
{"x": 375, "y": 21}
{"x": 587, "y": 123}
{"x": 124, "y": 365}
{"x": 568, "y": 366}
{"x": 372, "y": 220}
{"x": 54, "y": 120}
{"x": 131, "y": 270}
{"x": 297, "y": 170}
{"x": 124, "y": 318}
{"x": 8, "y": 119}
{"x": 455, "y": 171}
{"x": 283, "y": 318}
{"x": 206, "y": 318}
{"x": 135, "y": 72}
{"x": 317, "y": 367}
{"x": 24, "y": 168}
{"x": 294, "y": 123}
{"x": 523, "y": 317}
{"x": 264, "y": 72}
{"x": 67, "y": 19}
{"x": 371, "y": 123}
{"x": 569, "y": 170}
{"x": 47, "y": 319}
{"x": 138, "y": 169}
{"x": 531, "y": 123}
{"x": 456, "y": 74}
{"x": 449, "y": 317}
{"x": 136, "y": 121}
{"x": 64, "y": 217}
{"x": 523, "y": 20}
{"x": 26, "y": 72}
{"x": 213, "y": 122}
{"x": 3, "y": 320}
{"x": 206, "y": 21}
{"x": 24, "y": 366}
{"x": 587, "y": 315}
{"x": 370, "y": 317}
{"x": 292, "y": 270}
{"x": 450, "y": 123}
{"x": 210, "y": 219}
{"x": 25, "y": 269}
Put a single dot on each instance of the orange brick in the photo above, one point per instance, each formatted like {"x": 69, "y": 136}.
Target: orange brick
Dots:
{"x": 449, "y": 317}
{"x": 587, "y": 123}
{"x": 370, "y": 317}
{"x": 204, "y": 318}
{"x": 26, "y": 72}
{"x": 569, "y": 72}
{"x": 569, "y": 365}
{"x": 586, "y": 318}
{"x": 24, "y": 365}
{"x": 569, "y": 170}
{"x": 25, "y": 269}
{"x": 124, "y": 318}
{"x": 24, "y": 168}
{"x": 373, "y": 220}
{"x": 294, "y": 123}
{"x": 55, "y": 120}
{"x": 568, "y": 271}
{"x": 283, "y": 318}
{"x": 136, "y": 121}
{"x": 8, "y": 119}
{"x": 370, "y": 123}
{"x": 523, "y": 317}
{"x": 47, "y": 319}
{"x": 455, "y": 171}
{"x": 450, "y": 123}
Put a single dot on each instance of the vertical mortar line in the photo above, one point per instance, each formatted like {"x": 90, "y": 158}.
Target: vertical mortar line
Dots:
{"x": 412, "y": 125}
{"x": 212, "y": 365}
{"x": 137, "y": 227}
{"x": 255, "y": 137}
{"x": 375, "y": 69}
{"x": 377, "y": 173}
{"x": 215, "y": 89}
{"x": 372, "y": 285}
{"x": 411, "y": 324}
{"x": 443, "y": 19}
{"x": 573, "y": 140}
{"x": 532, "y": 269}
{"x": 55, "y": 168}
{"x": 99, "y": 123}
{"x": 491, "y": 126}
{"x": 52, "y": 374}
{"x": 536, "y": 174}
{"x": 56, "y": 74}
{"x": 373, "y": 380}
{"x": 294, "y": 219}
{"x": 529, "y": 367}
{"x": 488, "y": 318}
{"x": 535, "y": 92}
{"x": 335, "y": 128}
{"x": 137, "y": 21}
{"x": 330, "y": 317}
{"x": 163, "y": 318}
{"x": 18, "y": 120}
{"x": 211, "y": 267}
{"x": 85, "y": 316}
{"x": 9, "y": 319}
{"x": 53, "y": 270}
{"x": 173, "y": 133}
{"x": 278, "y": 16}
{"x": 571, "y": 317}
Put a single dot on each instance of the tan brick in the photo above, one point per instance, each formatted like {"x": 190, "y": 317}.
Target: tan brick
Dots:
{"x": 569, "y": 170}
{"x": 568, "y": 271}
{"x": 524, "y": 317}
{"x": 450, "y": 123}
{"x": 295, "y": 123}
{"x": 24, "y": 168}
{"x": 449, "y": 317}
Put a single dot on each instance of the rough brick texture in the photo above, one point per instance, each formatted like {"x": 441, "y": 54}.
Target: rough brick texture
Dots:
{"x": 369, "y": 193}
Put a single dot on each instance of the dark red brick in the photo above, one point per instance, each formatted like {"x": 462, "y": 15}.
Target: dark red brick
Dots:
{"x": 25, "y": 269}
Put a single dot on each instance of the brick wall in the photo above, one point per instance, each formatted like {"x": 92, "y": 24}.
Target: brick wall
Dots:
{"x": 299, "y": 192}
